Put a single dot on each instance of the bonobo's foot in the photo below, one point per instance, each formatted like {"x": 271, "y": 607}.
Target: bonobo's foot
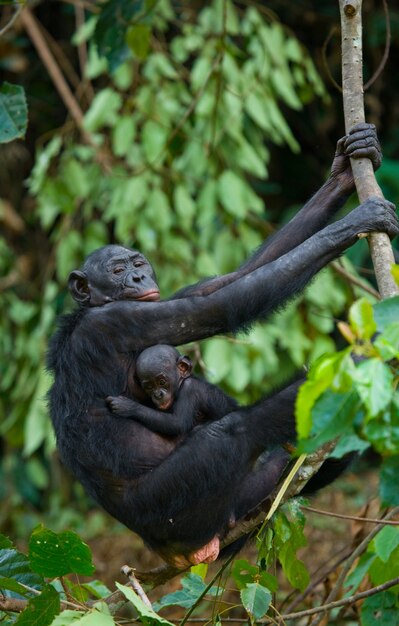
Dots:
{"x": 120, "y": 405}
{"x": 206, "y": 554}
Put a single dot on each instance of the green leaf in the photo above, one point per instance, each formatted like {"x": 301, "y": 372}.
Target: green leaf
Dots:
{"x": 380, "y": 609}
{"x": 123, "y": 135}
{"x": 103, "y": 110}
{"x": 5, "y": 542}
{"x": 386, "y": 541}
{"x": 193, "y": 588}
{"x": 233, "y": 194}
{"x": 147, "y": 615}
{"x": 185, "y": 206}
{"x": 386, "y": 312}
{"x": 13, "y": 112}
{"x": 243, "y": 573}
{"x": 362, "y": 319}
{"x": 15, "y": 565}
{"x": 154, "y": 138}
{"x": 374, "y": 384}
{"x": 42, "y": 609}
{"x": 56, "y": 554}
{"x": 138, "y": 40}
{"x": 388, "y": 342}
{"x": 389, "y": 491}
{"x": 10, "y": 584}
{"x": 217, "y": 357}
{"x": 256, "y": 599}
{"x": 349, "y": 443}
{"x": 332, "y": 414}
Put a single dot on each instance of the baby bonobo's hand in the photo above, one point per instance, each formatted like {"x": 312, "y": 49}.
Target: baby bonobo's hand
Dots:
{"x": 120, "y": 404}
{"x": 361, "y": 142}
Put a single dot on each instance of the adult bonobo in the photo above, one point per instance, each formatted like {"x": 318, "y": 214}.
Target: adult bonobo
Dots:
{"x": 180, "y": 498}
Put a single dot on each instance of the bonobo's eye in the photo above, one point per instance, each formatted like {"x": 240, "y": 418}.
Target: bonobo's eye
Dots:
{"x": 162, "y": 381}
{"x": 118, "y": 270}
{"x": 138, "y": 263}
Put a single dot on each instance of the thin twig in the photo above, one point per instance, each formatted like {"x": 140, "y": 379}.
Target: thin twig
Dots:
{"x": 54, "y": 71}
{"x": 129, "y": 573}
{"x": 12, "y": 20}
{"x": 343, "y": 602}
{"x": 337, "y": 267}
{"x": 356, "y": 553}
{"x": 353, "y": 518}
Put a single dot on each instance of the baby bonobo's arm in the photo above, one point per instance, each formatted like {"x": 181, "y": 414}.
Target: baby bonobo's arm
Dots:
{"x": 162, "y": 422}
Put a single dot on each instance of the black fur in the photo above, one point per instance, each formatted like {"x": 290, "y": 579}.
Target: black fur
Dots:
{"x": 178, "y": 496}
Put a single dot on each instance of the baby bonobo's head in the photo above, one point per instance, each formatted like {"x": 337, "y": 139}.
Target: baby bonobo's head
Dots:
{"x": 161, "y": 370}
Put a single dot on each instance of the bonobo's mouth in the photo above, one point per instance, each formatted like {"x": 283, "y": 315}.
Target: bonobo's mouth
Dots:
{"x": 163, "y": 406}
{"x": 150, "y": 296}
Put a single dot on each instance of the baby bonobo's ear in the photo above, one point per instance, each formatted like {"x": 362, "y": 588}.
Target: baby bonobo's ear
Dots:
{"x": 184, "y": 366}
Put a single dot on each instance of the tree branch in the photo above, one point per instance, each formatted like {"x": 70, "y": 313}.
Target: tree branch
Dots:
{"x": 363, "y": 173}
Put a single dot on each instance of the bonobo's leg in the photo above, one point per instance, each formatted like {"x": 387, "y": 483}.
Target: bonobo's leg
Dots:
{"x": 259, "y": 484}
{"x": 187, "y": 500}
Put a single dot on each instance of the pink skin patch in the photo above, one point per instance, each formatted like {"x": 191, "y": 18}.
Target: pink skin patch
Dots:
{"x": 206, "y": 554}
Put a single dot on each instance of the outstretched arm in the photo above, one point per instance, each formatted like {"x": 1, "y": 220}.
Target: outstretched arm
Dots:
{"x": 361, "y": 142}
{"x": 136, "y": 325}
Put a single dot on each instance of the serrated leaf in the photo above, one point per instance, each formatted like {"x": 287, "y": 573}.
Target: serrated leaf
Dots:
{"x": 374, "y": 384}
{"x": 42, "y": 609}
{"x": 256, "y": 599}
{"x": 193, "y": 588}
{"x": 13, "y": 112}
{"x": 56, "y": 554}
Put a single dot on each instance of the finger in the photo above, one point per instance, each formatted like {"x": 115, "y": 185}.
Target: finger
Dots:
{"x": 360, "y": 143}
{"x": 361, "y": 127}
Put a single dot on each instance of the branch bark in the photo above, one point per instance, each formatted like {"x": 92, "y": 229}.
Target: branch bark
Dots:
{"x": 366, "y": 184}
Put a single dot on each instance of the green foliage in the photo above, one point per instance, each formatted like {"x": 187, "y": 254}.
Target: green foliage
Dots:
{"x": 358, "y": 401}
{"x": 193, "y": 588}
{"x": 56, "y": 554}
{"x": 283, "y": 542}
{"x": 13, "y": 112}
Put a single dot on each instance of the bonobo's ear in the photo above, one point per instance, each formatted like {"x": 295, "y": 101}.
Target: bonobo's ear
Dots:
{"x": 79, "y": 287}
{"x": 184, "y": 366}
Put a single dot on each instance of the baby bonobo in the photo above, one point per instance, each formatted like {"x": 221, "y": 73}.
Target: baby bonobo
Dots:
{"x": 166, "y": 378}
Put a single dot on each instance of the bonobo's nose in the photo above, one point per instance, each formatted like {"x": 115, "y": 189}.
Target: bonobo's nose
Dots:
{"x": 133, "y": 278}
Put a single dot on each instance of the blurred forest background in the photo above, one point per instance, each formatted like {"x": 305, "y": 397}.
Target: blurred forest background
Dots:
{"x": 191, "y": 130}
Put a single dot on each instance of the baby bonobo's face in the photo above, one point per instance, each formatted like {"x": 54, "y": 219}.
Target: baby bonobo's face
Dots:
{"x": 160, "y": 388}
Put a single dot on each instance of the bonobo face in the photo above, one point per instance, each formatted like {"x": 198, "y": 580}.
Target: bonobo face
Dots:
{"x": 161, "y": 370}
{"x": 160, "y": 387}
{"x": 114, "y": 273}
